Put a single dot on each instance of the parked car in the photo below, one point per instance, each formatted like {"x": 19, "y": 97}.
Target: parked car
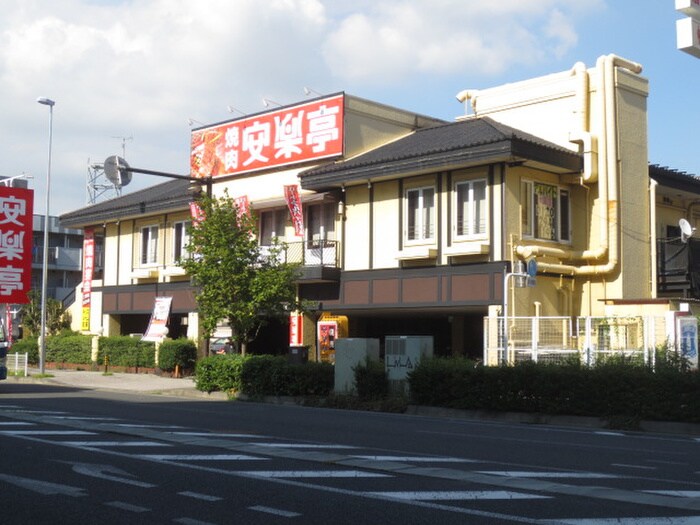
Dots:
{"x": 220, "y": 345}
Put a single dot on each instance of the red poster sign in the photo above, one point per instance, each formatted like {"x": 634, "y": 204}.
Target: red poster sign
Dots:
{"x": 242, "y": 205}
{"x": 300, "y": 133}
{"x": 296, "y": 333}
{"x": 16, "y": 217}
{"x": 291, "y": 194}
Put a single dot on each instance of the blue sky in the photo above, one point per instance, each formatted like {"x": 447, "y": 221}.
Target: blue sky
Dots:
{"x": 140, "y": 70}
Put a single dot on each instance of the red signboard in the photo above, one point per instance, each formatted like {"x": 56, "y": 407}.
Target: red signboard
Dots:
{"x": 16, "y": 216}
{"x": 301, "y": 133}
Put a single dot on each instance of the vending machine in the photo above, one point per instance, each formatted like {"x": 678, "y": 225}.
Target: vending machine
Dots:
{"x": 329, "y": 328}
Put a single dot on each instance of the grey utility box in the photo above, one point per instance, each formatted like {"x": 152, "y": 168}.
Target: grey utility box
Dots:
{"x": 401, "y": 355}
{"x": 350, "y": 352}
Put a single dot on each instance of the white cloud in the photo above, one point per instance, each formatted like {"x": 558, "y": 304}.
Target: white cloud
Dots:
{"x": 120, "y": 68}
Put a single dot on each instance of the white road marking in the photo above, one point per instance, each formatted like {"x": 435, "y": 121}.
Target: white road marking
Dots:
{"x": 418, "y": 459}
{"x": 276, "y": 512}
{"x": 15, "y": 423}
{"x": 608, "y": 433}
{"x": 110, "y": 473}
{"x": 133, "y": 425}
{"x": 661, "y": 520}
{"x": 312, "y": 474}
{"x": 547, "y": 474}
{"x": 86, "y": 418}
{"x": 300, "y": 445}
{"x": 197, "y": 495}
{"x": 47, "y": 433}
{"x": 459, "y": 495}
{"x": 115, "y": 444}
{"x": 641, "y": 467}
{"x": 677, "y": 493}
{"x": 43, "y": 487}
{"x": 200, "y": 457}
{"x": 127, "y": 506}
{"x": 218, "y": 434}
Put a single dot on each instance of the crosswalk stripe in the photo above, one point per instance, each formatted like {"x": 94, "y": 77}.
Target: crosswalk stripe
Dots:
{"x": 200, "y": 457}
{"x": 197, "y": 495}
{"x": 312, "y": 474}
{"x": 301, "y": 445}
{"x": 547, "y": 474}
{"x": 458, "y": 495}
{"x": 218, "y": 434}
{"x": 47, "y": 433}
{"x": 276, "y": 512}
{"x": 115, "y": 444}
{"x": 15, "y": 423}
{"x": 418, "y": 459}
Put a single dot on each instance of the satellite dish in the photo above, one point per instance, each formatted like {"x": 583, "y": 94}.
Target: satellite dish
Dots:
{"x": 686, "y": 230}
{"x": 116, "y": 171}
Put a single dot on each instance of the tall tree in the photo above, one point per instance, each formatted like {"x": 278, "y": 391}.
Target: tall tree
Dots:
{"x": 236, "y": 280}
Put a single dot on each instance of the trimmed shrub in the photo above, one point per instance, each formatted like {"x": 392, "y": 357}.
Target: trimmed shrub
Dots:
{"x": 371, "y": 381}
{"x": 180, "y": 352}
{"x": 69, "y": 347}
{"x": 28, "y": 345}
{"x": 126, "y": 351}
{"x": 219, "y": 373}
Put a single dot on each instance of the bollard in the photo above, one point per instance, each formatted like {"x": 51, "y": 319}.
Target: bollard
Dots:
{"x": 106, "y": 363}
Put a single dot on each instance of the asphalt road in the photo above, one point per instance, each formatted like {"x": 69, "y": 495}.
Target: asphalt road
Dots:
{"x": 84, "y": 456}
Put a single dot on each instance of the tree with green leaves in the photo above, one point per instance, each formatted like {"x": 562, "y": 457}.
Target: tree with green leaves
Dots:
{"x": 236, "y": 279}
{"x": 56, "y": 318}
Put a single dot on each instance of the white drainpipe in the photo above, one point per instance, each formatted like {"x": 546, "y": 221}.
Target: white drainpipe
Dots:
{"x": 652, "y": 229}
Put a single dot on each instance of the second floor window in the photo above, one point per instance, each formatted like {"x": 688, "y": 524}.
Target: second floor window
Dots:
{"x": 470, "y": 208}
{"x": 272, "y": 225}
{"x": 149, "y": 245}
{"x": 181, "y": 239}
{"x": 546, "y": 211}
{"x": 420, "y": 214}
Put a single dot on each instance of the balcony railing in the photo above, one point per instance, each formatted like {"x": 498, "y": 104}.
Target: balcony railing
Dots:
{"x": 309, "y": 253}
{"x": 65, "y": 258}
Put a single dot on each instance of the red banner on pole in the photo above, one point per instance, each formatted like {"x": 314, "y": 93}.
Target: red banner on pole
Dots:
{"x": 16, "y": 218}
{"x": 88, "y": 269}
{"x": 291, "y": 194}
{"x": 242, "y": 205}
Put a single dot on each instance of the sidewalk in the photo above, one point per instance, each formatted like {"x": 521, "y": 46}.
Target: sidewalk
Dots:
{"x": 141, "y": 383}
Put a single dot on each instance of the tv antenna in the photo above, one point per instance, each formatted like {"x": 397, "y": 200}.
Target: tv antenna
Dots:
{"x": 686, "y": 230}
{"x": 124, "y": 139}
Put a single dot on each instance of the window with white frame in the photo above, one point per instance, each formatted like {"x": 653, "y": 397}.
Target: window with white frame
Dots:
{"x": 272, "y": 224}
{"x": 149, "y": 245}
{"x": 470, "y": 209}
{"x": 546, "y": 211}
{"x": 420, "y": 214}
{"x": 181, "y": 238}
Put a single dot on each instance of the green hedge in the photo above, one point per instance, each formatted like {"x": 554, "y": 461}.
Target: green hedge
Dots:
{"x": 180, "y": 352}
{"x": 263, "y": 375}
{"x": 371, "y": 381}
{"x": 612, "y": 390}
{"x": 126, "y": 351}
{"x": 30, "y": 346}
{"x": 69, "y": 347}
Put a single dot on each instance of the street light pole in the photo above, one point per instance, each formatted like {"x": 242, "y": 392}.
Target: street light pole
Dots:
{"x": 45, "y": 263}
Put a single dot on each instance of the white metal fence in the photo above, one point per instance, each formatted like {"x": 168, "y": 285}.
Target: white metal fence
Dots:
{"x": 556, "y": 339}
{"x": 17, "y": 364}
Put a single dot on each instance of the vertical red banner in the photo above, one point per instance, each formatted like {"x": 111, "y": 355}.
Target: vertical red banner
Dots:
{"x": 16, "y": 221}
{"x": 88, "y": 270}
{"x": 291, "y": 194}
{"x": 296, "y": 332}
{"x": 196, "y": 213}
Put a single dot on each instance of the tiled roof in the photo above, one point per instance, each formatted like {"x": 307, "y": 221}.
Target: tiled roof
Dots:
{"x": 171, "y": 195}
{"x": 468, "y": 142}
{"x": 672, "y": 178}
